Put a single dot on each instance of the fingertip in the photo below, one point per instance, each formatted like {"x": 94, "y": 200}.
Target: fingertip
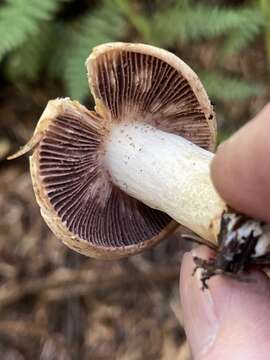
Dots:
{"x": 231, "y": 318}
{"x": 239, "y": 169}
{"x": 200, "y": 321}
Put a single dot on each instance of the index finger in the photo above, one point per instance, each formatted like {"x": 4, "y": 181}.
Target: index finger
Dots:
{"x": 241, "y": 168}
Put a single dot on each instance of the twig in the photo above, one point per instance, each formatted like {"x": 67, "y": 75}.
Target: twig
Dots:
{"x": 76, "y": 283}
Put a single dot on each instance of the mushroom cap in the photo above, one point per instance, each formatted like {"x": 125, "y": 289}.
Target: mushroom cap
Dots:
{"x": 76, "y": 196}
{"x": 138, "y": 81}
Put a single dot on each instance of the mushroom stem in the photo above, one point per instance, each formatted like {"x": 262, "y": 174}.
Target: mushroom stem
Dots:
{"x": 166, "y": 172}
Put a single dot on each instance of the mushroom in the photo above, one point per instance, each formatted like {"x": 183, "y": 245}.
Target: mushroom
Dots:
{"x": 117, "y": 180}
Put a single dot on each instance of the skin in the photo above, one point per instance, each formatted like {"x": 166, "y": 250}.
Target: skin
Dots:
{"x": 232, "y": 319}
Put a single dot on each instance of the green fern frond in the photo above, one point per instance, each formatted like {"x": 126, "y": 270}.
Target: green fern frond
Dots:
{"x": 26, "y": 62}
{"x": 202, "y": 21}
{"x": 249, "y": 27}
{"x": 222, "y": 87}
{"x": 60, "y": 50}
{"x": 238, "y": 41}
{"x": 137, "y": 19}
{"x": 20, "y": 19}
{"x": 36, "y": 41}
{"x": 209, "y": 22}
{"x": 100, "y": 26}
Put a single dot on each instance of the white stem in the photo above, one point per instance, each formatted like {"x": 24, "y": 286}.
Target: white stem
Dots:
{"x": 166, "y": 172}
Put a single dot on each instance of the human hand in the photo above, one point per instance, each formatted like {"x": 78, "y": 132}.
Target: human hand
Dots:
{"x": 231, "y": 320}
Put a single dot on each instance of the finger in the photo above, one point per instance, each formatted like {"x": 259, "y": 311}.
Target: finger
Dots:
{"x": 241, "y": 168}
{"x": 231, "y": 320}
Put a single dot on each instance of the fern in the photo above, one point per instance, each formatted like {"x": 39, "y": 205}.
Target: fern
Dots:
{"x": 20, "y": 19}
{"x": 35, "y": 39}
{"x": 193, "y": 22}
{"x": 60, "y": 49}
{"x": 27, "y": 61}
{"x": 250, "y": 25}
{"x": 46, "y": 49}
{"x": 103, "y": 25}
{"x": 137, "y": 19}
{"x": 221, "y": 87}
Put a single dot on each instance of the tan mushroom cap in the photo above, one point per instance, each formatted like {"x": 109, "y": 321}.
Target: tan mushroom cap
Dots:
{"x": 145, "y": 83}
{"x": 72, "y": 186}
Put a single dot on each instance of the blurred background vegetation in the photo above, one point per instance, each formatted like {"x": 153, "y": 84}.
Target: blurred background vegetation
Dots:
{"x": 55, "y": 304}
{"x": 44, "y": 40}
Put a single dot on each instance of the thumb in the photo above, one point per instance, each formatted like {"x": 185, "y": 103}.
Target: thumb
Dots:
{"x": 231, "y": 320}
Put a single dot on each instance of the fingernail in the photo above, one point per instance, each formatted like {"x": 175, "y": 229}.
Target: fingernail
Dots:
{"x": 200, "y": 317}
